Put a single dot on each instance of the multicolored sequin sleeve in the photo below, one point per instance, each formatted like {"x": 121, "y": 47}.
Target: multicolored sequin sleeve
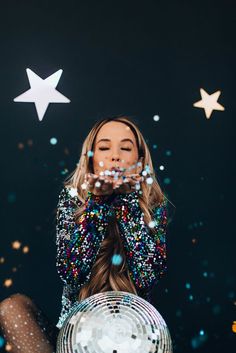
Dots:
{"x": 78, "y": 244}
{"x": 145, "y": 251}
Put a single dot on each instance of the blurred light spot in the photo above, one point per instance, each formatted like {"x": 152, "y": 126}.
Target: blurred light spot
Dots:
{"x": 97, "y": 184}
{"x": 161, "y": 167}
{"x": 116, "y": 259}
{"x": 2, "y": 260}
{"x": 11, "y": 197}
{"x": 137, "y": 186}
{"x": 21, "y": 146}
{"x": 234, "y": 326}
{"x": 66, "y": 151}
{"x": 156, "y": 118}
{"x": 149, "y": 180}
{"x": 166, "y": 181}
{"x": 144, "y": 172}
{"x": 205, "y": 274}
{"x": 8, "y": 282}
{"x": 53, "y": 141}
{"x": 198, "y": 341}
{"x": 178, "y": 313}
{"x": 205, "y": 262}
{"x": 188, "y": 285}
{"x": 65, "y": 171}
{"x": 8, "y": 347}
{"x": 231, "y": 295}
{"x": 147, "y": 168}
{"x": 195, "y": 225}
{"x": 30, "y": 142}
{"x": 154, "y": 146}
{"x": 83, "y": 186}
{"x": 90, "y": 153}
{"x": 190, "y": 297}
{"x": 16, "y": 245}
{"x": 25, "y": 249}
{"x": 201, "y": 333}
{"x": 152, "y": 224}
{"x": 2, "y": 341}
{"x": 216, "y": 309}
{"x": 101, "y": 163}
{"x": 168, "y": 153}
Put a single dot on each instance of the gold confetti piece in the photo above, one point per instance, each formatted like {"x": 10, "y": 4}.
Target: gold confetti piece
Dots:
{"x": 25, "y": 249}
{"x": 2, "y": 260}
{"x": 209, "y": 102}
{"x": 21, "y": 146}
{"x": 234, "y": 326}
{"x": 8, "y": 282}
{"x": 30, "y": 142}
{"x": 16, "y": 245}
{"x": 66, "y": 151}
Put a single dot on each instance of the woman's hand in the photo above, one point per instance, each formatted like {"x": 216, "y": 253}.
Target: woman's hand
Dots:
{"x": 128, "y": 184}
{"x": 98, "y": 184}
{"x": 107, "y": 184}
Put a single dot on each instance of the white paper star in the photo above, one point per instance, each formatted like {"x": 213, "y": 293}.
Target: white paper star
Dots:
{"x": 42, "y": 92}
{"x": 209, "y": 102}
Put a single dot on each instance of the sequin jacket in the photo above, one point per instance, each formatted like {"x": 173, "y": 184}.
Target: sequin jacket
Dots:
{"x": 78, "y": 243}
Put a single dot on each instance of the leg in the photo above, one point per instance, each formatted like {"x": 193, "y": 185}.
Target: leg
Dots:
{"x": 25, "y": 327}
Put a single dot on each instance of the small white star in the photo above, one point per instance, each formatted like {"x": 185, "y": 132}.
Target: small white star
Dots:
{"x": 42, "y": 92}
{"x": 209, "y": 102}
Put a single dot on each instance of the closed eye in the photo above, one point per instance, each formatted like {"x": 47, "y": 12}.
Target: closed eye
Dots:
{"x": 106, "y": 148}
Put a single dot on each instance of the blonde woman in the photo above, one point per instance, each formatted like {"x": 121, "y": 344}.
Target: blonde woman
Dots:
{"x": 111, "y": 227}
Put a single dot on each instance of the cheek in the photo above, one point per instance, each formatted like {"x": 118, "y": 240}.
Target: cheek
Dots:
{"x": 99, "y": 162}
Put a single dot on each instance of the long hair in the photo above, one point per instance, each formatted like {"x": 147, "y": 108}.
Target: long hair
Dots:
{"x": 104, "y": 274}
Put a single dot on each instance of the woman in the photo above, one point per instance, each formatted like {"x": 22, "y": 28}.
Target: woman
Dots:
{"x": 110, "y": 225}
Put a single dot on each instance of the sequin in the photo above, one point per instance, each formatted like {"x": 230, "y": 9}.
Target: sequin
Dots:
{"x": 78, "y": 243}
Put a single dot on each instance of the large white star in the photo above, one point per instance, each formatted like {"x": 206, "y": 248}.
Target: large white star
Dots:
{"x": 209, "y": 102}
{"x": 42, "y": 92}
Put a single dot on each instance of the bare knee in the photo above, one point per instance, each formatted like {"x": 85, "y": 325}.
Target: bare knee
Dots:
{"x": 13, "y": 303}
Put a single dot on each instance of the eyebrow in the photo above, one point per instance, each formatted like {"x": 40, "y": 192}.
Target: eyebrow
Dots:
{"x": 124, "y": 140}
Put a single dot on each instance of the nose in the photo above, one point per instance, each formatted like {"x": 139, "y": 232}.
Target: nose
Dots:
{"x": 115, "y": 159}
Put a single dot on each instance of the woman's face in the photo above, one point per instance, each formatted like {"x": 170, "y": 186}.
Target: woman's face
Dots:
{"x": 115, "y": 147}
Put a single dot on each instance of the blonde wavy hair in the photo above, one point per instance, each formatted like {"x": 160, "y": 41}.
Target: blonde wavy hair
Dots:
{"x": 104, "y": 274}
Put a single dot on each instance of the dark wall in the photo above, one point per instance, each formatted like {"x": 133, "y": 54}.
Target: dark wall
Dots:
{"x": 141, "y": 59}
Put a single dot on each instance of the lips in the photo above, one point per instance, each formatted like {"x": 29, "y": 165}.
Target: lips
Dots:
{"x": 116, "y": 169}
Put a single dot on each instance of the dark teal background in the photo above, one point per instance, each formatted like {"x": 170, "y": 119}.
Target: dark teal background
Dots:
{"x": 141, "y": 59}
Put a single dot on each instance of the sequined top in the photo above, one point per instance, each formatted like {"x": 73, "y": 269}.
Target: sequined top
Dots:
{"x": 78, "y": 243}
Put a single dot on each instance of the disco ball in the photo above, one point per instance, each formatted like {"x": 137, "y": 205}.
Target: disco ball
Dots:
{"x": 114, "y": 322}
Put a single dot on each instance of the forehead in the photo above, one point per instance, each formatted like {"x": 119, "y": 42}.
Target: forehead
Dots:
{"x": 115, "y": 130}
